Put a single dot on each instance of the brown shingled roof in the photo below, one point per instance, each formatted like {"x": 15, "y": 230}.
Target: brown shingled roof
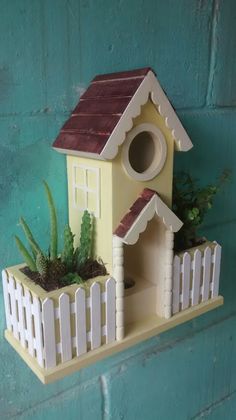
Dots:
{"x": 99, "y": 123}
{"x": 133, "y": 213}
{"x": 143, "y": 209}
{"x": 98, "y": 111}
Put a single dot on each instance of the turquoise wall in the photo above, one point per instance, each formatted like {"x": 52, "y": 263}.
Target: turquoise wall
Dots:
{"x": 49, "y": 52}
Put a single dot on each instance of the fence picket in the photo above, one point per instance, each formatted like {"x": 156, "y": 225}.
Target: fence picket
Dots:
{"x": 197, "y": 262}
{"x": 21, "y": 314}
{"x": 186, "y": 280}
{"x": 65, "y": 328}
{"x": 13, "y": 306}
{"x": 6, "y": 299}
{"x": 216, "y": 271}
{"x": 176, "y": 284}
{"x": 38, "y": 330}
{"x": 110, "y": 310}
{"x": 80, "y": 322}
{"x": 49, "y": 333}
{"x": 206, "y": 274}
{"x": 95, "y": 311}
{"x": 29, "y": 324}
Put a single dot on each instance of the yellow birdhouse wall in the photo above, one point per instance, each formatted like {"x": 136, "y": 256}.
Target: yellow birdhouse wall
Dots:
{"x": 92, "y": 190}
{"x": 105, "y": 188}
{"x": 126, "y": 190}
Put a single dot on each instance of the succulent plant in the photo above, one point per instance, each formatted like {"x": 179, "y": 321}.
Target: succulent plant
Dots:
{"x": 53, "y": 222}
{"x": 29, "y": 236}
{"x": 25, "y": 254}
{"x": 42, "y": 264}
{"x": 67, "y": 256}
{"x": 85, "y": 239}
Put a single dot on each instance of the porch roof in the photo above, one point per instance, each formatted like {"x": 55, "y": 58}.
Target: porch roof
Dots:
{"x": 141, "y": 212}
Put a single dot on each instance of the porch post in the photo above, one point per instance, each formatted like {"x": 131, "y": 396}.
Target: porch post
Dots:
{"x": 118, "y": 274}
{"x": 169, "y": 240}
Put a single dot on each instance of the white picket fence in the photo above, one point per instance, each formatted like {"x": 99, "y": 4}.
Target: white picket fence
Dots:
{"x": 195, "y": 278}
{"x": 32, "y": 322}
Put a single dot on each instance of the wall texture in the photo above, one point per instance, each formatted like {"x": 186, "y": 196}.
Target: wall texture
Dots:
{"x": 50, "y": 49}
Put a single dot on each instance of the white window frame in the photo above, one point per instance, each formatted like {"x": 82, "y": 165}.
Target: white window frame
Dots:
{"x": 86, "y": 189}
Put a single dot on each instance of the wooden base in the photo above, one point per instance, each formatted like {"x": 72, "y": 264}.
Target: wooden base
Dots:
{"x": 135, "y": 333}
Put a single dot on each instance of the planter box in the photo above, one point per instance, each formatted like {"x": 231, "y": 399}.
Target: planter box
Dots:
{"x": 196, "y": 273}
{"x": 59, "y": 332}
{"x": 55, "y": 327}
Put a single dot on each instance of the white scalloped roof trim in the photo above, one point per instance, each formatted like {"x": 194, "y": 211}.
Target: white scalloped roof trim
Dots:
{"x": 154, "y": 206}
{"x": 149, "y": 87}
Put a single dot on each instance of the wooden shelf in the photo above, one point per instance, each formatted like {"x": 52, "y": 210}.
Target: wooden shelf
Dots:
{"x": 134, "y": 334}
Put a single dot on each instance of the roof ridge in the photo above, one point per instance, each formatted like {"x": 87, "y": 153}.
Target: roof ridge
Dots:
{"x": 117, "y": 79}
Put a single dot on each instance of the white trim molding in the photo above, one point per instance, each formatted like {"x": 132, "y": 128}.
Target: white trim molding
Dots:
{"x": 149, "y": 87}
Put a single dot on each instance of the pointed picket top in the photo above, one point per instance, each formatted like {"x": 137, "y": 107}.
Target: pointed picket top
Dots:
{"x": 80, "y": 321}
{"x": 95, "y": 315}
{"x": 216, "y": 270}
{"x": 49, "y": 333}
{"x": 65, "y": 327}
{"x": 110, "y": 310}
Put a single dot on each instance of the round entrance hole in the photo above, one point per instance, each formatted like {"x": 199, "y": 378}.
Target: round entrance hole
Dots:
{"x": 141, "y": 152}
{"x": 144, "y": 152}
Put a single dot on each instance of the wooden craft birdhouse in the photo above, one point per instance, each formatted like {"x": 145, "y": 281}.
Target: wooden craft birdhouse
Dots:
{"x": 120, "y": 142}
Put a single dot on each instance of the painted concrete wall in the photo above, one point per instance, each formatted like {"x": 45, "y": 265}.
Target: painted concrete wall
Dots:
{"x": 49, "y": 52}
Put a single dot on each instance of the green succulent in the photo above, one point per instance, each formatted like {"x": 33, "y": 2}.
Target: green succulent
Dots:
{"x": 67, "y": 256}
{"x": 42, "y": 264}
{"x": 84, "y": 251}
{"x": 53, "y": 222}
{"x": 26, "y": 255}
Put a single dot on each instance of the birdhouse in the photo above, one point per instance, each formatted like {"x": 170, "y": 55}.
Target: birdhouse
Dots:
{"x": 119, "y": 144}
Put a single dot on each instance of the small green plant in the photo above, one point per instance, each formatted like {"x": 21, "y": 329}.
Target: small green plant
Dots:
{"x": 51, "y": 270}
{"x": 35, "y": 248}
{"x": 191, "y": 203}
{"x": 42, "y": 264}
{"x": 29, "y": 236}
{"x": 85, "y": 239}
{"x": 53, "y": 222}
{"x": 25, "y": 254}
{"x": 72, "y": 278}
{"x": 68, "y": 253}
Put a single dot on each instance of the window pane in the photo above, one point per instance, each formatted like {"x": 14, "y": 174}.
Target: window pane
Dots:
{"x": 79, "y": 176}
{"x": 92, "y": 203}
{"x": 92, "y": 179}
{"x": 80, "y": 198}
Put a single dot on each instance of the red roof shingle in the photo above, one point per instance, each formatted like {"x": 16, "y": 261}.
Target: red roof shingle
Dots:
{"x": 133, "y": 213}
{"x": 98, "y": 111}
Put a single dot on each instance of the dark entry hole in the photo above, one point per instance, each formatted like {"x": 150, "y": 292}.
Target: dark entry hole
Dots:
{"x": 129, "y": 282}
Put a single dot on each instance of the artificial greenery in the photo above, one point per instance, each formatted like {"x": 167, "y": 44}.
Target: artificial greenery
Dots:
{"x": 53, "y": 222}
{"x": 71, "y": 278}
{"x": 29, "y": 236}
{"x": 85, "y": 239}
{"x": 68, "y": 253}
{"x": 42, "y": 264}
{"x": 52, "y": 270}
{"x": 25, "y": 254}
{"x": 191, "y": 203}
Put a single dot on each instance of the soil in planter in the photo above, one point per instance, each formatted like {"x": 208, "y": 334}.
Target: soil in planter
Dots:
{"x": 91, "y": 269}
